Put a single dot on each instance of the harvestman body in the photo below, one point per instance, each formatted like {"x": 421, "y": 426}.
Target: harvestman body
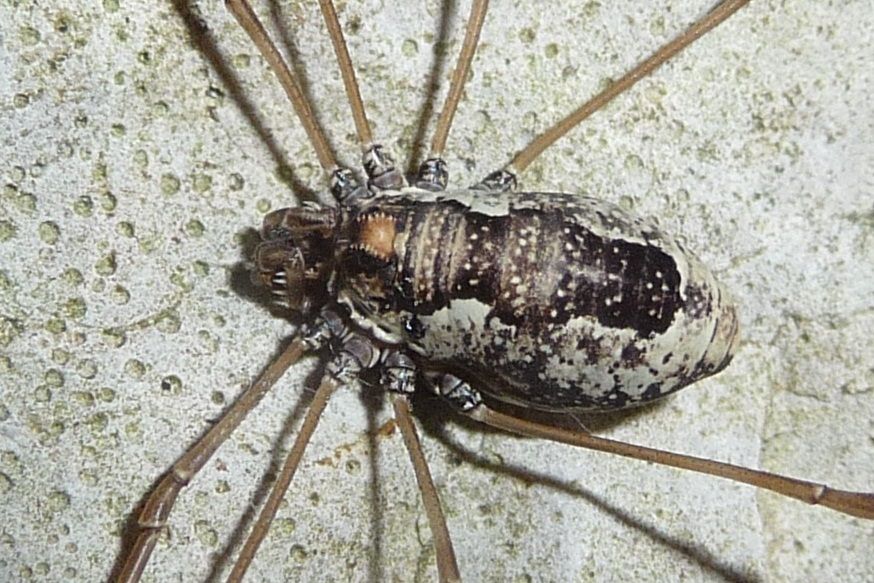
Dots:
{"x": 548, "y": 301}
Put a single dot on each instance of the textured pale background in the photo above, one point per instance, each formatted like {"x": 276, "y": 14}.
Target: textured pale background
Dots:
{"x": 131, "y": 176}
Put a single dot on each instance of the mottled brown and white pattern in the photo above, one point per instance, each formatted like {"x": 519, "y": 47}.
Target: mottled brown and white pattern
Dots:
{"x": 548, "y": 300}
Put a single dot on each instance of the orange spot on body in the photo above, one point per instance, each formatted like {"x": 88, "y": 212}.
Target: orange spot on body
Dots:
{"x": 377, "y": 236}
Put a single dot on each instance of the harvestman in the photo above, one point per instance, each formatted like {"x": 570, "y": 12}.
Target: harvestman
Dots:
{"x": 384, "y": 176}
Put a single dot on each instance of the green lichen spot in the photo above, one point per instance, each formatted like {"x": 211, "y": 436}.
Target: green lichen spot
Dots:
{"x": 98, "y": 173}
{"x": 205, "y": 534}
{"x": 118, "y": 130}
{"x": 10, "y": 329}
{"x": 62, "y": 22}
{"x": 75, "y": 308}
{"x": 125, "y": 229}
{"x": 106, "y": 394}
{"x": 60, "y": 356}
{"x": 72, "y": 277}
{"x": 209, "y": 343}
{"x": 297, "y": 553}
{"x": 56, "y": 326}
{"x": 29, "y": 36}
{"x": 89, "y": 477}
{"x": 84, "y": 206}
{"x": 58, "y": 427}
{"x": 5, "y": 281}
{"x": 106, "y": 265}
{"x": 54, "y": 378}
{"x": 194, "y": 228}
{"x": 141, "y": 159}
{"x": 7, "y": 230}
{"x": 160, "y": 109}
{"x": 108, "y": 202}
{"x": 409, "y": 48}
{"x": 4, "y": 410}
{"x": 262, "y": 206}
{"x": 135, "y": 368}
{"x": 111, "y": 5}
{"x": 49, "y": 232}
{"x": 25, "y": 202}
{"x": 169, "y": 184}
{"x": 241, "y": 61}
{"x": 42, "y": 394}
{"x": 236, "y": 182}
{"x": 87, "y": 368}
{"x": 171, "y": 385}
{"x": 633, "y": 162}
{"x": 551, "y": 50}
{"x": 119, "y": 295}
{"x": 201, "y": 268}
{"x": 114, "y": 337}
{"x": 218, "y": 398}
{"x": 83, "y": 398}
{"x": 284, "y": 526}
{"x": 222, "y": 487}
{"x": 20, "y": 101}
{"x": 58, "y": 501}
{"x": 168, "y": 322}
{"x": 38, "y": 169}
{"x": 97, "y": 423}
{"x": 285, "y": 175}
{"x": 202, "y": 183}
{"x": 527, "y": 35}
{"x": 179, "y": 280}
{"x": 5, "y": 484}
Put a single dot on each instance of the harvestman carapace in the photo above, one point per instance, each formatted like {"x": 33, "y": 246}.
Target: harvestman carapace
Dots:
{"x": 296, "y": 269}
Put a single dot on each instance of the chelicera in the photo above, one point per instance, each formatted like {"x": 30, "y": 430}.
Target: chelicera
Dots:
{"x": 547, "y": 301}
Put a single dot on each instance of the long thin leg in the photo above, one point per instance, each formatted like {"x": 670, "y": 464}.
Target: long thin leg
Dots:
{"x": 432, "y": 174}
{"x": 268, "y": 511}
{"x": 459, "y": 76}
{"x": 378, "y": 164}
{"x": 447, "y": 566}
{"x": 244, "y": 14}
{"x": 347, "y": 71}
{"x": 156, "y": 510}
{"x": 356, "y": 353}
{"x": 716, "y": 16}
{"x": 859, "y": 504}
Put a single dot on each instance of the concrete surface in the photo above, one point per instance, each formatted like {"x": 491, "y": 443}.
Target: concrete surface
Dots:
{"x": 138, "y": 146}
